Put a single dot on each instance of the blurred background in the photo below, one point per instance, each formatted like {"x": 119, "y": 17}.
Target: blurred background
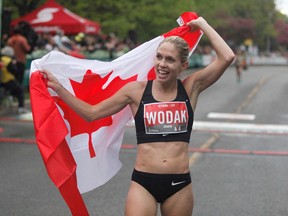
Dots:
{"x": 257, "y": 29}
{"x": 262, "y": 23}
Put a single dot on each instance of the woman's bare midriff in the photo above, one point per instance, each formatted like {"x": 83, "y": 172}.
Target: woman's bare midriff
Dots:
{"x": 163, "y": 157}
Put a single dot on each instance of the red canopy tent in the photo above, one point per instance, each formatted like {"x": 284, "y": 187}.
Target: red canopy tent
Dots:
{"x": 52, "y": 17}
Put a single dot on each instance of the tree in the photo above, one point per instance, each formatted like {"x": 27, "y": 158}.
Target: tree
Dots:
{"x": 146, "y": 17}
{"x": 21, "y": 7}
{"x": 282, "y": 33}
{"x": 235, "y": 20}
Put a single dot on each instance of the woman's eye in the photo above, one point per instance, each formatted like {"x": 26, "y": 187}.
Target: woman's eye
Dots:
{"x": 170, "y": 60}
{"x": 159, "y": 57}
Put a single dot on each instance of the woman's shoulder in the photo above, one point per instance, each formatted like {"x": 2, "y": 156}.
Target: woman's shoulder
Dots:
{"x": 134, "y": 90}
{"x": 136, "y": 85}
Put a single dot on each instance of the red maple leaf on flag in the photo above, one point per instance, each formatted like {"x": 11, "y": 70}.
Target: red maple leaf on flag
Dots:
{"x": 90, "y": 91}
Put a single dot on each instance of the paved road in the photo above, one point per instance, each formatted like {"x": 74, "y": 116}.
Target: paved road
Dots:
{"x": 238, "y": 155}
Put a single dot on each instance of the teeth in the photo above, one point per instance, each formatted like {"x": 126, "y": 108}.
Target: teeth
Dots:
{"x": 163, "y": 72}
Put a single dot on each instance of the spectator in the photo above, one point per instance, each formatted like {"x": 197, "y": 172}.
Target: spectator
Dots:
{"x": 240, "y": 64}
{"x": 21, "y": 47}
{"x": 4, "y": 40}
{"x": 120, "y": 49}
{"x": 80, "y": 40}
{"x": 7, "y": 78}
{"x": 47, "y": 42}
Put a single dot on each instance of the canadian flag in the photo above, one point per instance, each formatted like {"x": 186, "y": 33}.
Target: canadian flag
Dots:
{"x": 80, "y": 156}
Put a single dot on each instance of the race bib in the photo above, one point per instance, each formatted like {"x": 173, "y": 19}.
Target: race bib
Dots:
{"x": 165, "y": 117}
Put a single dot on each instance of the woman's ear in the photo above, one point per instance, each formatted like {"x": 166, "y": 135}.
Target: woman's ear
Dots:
{"x": 185, "y": 65}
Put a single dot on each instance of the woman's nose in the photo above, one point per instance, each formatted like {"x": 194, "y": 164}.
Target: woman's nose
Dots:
{"x": 162, "y": 63}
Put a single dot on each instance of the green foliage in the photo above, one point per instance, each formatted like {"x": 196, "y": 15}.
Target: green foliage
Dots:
{"x": 19, "y": 7}
{"x": 239, "y": 20}
{"x": 147, "y": 17}
{"x": 235, "y": 20}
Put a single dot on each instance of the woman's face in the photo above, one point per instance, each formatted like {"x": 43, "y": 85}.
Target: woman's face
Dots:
{"x": 167, "y": 62}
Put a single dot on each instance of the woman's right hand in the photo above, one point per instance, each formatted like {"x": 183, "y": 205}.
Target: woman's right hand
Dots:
{"x": 52, "y": 81}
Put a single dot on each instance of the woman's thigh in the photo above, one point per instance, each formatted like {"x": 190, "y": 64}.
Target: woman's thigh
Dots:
{"x": 181, "y": 203}
{"x": 140, "y": 202}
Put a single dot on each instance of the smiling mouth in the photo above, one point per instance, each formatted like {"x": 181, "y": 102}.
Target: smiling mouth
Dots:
{"x": 161, "y": 72}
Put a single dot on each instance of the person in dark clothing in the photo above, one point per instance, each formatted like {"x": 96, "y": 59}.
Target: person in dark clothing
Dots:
{"x": 7, "y": 77}
{"x": 21, "y": 47}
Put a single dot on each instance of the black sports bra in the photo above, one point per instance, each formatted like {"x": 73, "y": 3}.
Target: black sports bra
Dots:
{"x": 164, "y": 121}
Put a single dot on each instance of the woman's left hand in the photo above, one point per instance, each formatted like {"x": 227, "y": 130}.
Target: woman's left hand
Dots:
{"x": 196, "y": 23}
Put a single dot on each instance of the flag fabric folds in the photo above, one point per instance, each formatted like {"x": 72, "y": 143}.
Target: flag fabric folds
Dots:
{"x": 80, "y": 156}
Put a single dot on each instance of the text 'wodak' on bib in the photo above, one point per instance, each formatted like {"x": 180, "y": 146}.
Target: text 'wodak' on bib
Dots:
{"x": 165, "y": 117}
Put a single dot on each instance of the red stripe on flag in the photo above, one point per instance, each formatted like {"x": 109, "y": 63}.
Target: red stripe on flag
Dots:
{"x": 50, "y": 137}
{"x": 191, "y": 37}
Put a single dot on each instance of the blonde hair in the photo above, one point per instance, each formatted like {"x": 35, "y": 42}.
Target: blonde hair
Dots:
{"x": 180, "y": 44}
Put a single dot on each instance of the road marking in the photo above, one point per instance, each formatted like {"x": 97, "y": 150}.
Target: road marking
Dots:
{"x": 239, "y": 152}
{"x": 16, "y": 140}
{"x": 241, "y": 128}
{"x": 196, "y": 151}
{"x": 252, "y": 94}
{"x": 195, "y": 156}
{"x": 239, "y": 109}
{"x": 25, "y": 116}
{"x": 211, "y": 126}
{"x": 231, "y": 116}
